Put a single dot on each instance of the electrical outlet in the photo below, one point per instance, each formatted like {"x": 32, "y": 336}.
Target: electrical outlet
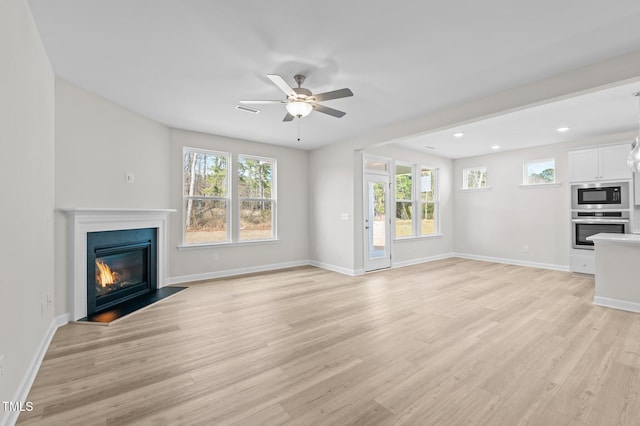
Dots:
{"x": 49, "y": 301}
{"x": 525, "y": 249}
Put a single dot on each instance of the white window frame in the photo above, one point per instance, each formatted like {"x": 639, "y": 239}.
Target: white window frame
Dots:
{"x": 227, "y": 199}
{"x": 525, "y": 171}
{"x": 273, "y": 199}
{"x": 435, "y": 202}
{"x": 412, "y": 200}
{"x": 416, "y": 200}
{"x": 465, "y": 178}
{"x": 232, "y": 199}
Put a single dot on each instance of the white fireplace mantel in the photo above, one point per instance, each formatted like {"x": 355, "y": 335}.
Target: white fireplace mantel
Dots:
{"x": 84, "y": 220}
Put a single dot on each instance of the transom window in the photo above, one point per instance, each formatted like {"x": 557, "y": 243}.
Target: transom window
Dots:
{"x": 474, "y": 178}
{"x": 538, "y": 172}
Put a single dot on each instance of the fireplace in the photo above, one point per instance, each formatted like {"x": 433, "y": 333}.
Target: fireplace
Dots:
{"x": 121, "y": 265}
{"x": 82, "y": 271}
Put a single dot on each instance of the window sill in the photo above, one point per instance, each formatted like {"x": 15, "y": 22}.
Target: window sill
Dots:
{"x": 540, "y": 185}
{"x": 226, "y": 244}
{"x": 421, "y": 237}
{"x": 488, "y": 188}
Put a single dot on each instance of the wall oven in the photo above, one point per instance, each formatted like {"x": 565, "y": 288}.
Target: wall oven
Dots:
{"x": 587, "y": 223}
{"x": 595, "y": 196}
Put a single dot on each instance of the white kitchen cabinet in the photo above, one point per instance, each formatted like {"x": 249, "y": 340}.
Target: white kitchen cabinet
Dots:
{"x": 583, "y": 263}
{"x": 603, "y": 163}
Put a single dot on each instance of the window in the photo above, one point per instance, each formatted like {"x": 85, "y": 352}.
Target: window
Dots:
{"x": 420, "y": 197}
{"x": 428, "y": 199}
{"x": 474, "y": 178}
{"x": 218, "y": 209}
{"x": 206, "y": 196}
{"x": 404, "y": 200}
{"x": 256, "y": 198}
{"x": 375, "y": 165}
{"x": 539, "y": 172}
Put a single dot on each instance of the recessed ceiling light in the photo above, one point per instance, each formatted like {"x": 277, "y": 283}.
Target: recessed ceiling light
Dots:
{"x": 562, "y": 129}
{"x": 458, "y": 135}
{"x": 495, "y": 147}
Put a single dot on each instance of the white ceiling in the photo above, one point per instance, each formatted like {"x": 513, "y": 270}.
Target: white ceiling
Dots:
{"x": 609, "y": 112}
{"x": 187, "y": 63}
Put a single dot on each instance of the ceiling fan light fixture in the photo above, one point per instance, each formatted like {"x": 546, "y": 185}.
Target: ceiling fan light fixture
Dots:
{"x": 299, "y": 108}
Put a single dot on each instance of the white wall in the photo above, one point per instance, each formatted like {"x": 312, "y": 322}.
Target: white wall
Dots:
{"x": 290, "y": 249}
{"x": 97, "y": 143}
{"x": 500, "y": 222}
{"x": 26, "y": 190}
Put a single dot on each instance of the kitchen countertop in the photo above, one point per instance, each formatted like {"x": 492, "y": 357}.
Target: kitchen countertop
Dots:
{"x": 628, "y": 239}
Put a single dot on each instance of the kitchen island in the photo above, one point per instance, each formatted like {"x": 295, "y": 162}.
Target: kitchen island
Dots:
{"x": 617, "y": 259}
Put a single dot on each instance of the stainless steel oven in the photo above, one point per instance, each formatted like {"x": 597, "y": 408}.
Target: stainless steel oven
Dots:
{"x": 587, "y": 223}
{"x": 595, "y": 196}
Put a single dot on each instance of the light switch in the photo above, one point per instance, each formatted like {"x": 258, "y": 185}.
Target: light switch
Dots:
{"x": 344, "y": 216}
{"x": 130, "y": 178}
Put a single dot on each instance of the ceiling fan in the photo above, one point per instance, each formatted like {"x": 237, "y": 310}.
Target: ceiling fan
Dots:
{"x": 300, "y": 101}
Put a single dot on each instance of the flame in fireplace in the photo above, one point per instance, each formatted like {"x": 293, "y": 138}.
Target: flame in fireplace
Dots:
{"x": 104, "y": 275}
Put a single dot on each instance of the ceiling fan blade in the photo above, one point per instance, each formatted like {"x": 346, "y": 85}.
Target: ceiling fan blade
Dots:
{"x": 336, "y": 94}
{"x": 279, "y": 81}
{"x": 327, "y": 110}
{"x": 288, "y": 117}
{"x": 262, "y": 102}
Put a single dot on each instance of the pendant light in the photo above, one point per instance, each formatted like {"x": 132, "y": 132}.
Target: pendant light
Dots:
{"x": 633, "y": 160}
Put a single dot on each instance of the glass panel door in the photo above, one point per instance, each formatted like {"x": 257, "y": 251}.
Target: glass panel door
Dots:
{"x": 377, "y": 222}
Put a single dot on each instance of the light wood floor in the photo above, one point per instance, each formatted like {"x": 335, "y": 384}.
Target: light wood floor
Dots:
{"x": 445, "y": 343}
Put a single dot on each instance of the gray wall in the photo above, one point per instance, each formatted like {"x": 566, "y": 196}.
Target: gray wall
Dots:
{"x": 291, "y": 248}
{"x": 336, "y": 175}
{"x": 331, "y": 193}
{"x": 499, "y": 222}
{"x": 97, "y": 143}
{"x": 27, "y": 174}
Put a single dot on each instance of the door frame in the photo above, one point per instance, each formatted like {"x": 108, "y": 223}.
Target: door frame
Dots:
{"x": 379, "y": 176}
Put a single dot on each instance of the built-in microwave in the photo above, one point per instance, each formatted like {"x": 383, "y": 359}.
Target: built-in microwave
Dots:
{"x": 610, "y": 195}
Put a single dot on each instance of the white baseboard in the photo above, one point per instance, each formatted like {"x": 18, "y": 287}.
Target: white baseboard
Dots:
{"x": 617, "y": 304}
{"x": 10, "y": 417}
{"x": 338, "y": 269}
{"x": 233, "y": 272}
{"x": 403, "y": 263}
{"x": 518, "y": 262}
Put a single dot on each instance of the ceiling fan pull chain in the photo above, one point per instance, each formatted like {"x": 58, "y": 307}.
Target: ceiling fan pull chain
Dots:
{"x": 298, "y": 130}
